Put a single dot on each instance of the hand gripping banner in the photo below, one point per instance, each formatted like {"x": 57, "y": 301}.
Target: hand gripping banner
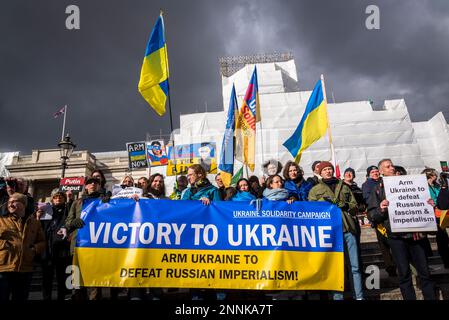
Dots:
{"x": 226, "y": 245}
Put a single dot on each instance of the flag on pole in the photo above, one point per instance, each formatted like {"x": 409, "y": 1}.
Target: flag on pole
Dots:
{"x": 153, "y": 83}
{"x": 58, "y": 113}
{"x": 226, "y": 165}
{"x": 237, "y": 177}
{"x": 312, "y": 126}
{"x": 246, "y": 124}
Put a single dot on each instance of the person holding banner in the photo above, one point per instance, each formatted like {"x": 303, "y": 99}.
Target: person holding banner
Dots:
{"x": 156, "y": 187}
{"x": 156, "y": 191}
{"x": 73, "y": 223}
{"x": 200, "y": 187}
{"x": 243, "y": 191}
{"x": 98, "y": 174}
{"x": 127, "y": 181}
{"x": 407, "y": 248}
{"x": 295, "y": 183}
{"x": 220, "y": 185}
{"x": 337, "y": 192}
{"x": 255, "y": 187}
{"x": 275, "y": 190}
{"x": 180, "y": 185}
{"x": 143, "y": 184}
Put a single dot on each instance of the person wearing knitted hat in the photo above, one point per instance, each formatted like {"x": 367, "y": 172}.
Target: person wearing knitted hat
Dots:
{"x": 337, "y": 192}
{"x": 316, "y": 175}
{"x": 372, "y": 179}
{"x": 348, "y": 178}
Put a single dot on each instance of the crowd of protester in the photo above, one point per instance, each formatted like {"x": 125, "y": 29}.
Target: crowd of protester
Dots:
{"x": 27, "y": 238}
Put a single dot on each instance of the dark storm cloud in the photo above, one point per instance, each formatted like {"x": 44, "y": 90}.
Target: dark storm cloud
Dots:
{"x": 95, "y": 70}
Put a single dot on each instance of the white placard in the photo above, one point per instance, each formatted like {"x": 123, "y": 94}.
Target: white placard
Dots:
{"x": 128, "y": 192}
{"x": 48, "y": 210}
{"x": 408, "y": 209}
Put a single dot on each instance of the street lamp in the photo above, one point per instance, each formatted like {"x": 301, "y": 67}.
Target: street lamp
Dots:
{"x": 66, "y": 148}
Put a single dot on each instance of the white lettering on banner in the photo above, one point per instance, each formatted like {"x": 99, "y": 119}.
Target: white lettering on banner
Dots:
{"x": 322, "y": 236}
{"x": 258, "y": 235}
{"x": 115, "y": 233}
{"x": 72, "y": 181}
{"x": 281, "y": 214}
{"x": 268, "y": 235}
{"x": 146, "y": 232}
{"x": 408, "y": 209}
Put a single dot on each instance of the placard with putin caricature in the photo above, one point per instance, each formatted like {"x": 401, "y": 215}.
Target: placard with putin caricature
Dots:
{"x": 156, "y": 153}
{"x": 185, "y": 155}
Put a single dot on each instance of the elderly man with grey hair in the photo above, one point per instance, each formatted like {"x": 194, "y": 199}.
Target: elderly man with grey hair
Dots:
{"x": 21, "y": 239}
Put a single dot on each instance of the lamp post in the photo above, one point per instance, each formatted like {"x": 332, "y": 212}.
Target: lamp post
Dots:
{"x": 66, "y": 148}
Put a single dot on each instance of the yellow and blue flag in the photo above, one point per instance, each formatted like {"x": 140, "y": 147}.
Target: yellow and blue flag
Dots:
{"x": 226, "y": 165}
{"x": 313, "y": 124}
{"x": 153, "y": 83}
{"x": 246, "y": 124}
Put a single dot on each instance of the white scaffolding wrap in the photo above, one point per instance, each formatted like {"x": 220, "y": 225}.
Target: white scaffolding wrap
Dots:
{"x": 6, "y": 159}
{"x": 361, "y": 136}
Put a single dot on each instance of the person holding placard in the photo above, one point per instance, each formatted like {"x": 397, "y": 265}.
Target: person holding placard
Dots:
{"x": 407, "y": 247}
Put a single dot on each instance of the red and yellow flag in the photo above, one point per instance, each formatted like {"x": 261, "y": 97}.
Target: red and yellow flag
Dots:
{"x": 245, "y": 129}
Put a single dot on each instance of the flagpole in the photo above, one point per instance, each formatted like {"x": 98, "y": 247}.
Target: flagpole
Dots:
{"x": 333, "y": 157}
{"x": 169, "y": 103}
{"x": 63, "y": 123}
{"x": 261, "y": 143}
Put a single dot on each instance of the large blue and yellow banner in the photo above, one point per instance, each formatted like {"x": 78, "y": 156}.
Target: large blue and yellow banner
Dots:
{"x": 227, "y": 245}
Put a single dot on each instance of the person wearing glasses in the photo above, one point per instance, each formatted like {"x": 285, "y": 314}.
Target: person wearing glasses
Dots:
{"x": 21, "y": 239}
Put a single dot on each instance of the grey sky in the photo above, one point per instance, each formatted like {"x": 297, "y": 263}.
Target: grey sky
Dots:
{"x": 95, "y": 70}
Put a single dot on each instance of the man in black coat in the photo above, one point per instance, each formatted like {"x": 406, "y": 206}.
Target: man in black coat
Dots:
{"x": 57, "y": 256}
{"x": 406, "y": 248}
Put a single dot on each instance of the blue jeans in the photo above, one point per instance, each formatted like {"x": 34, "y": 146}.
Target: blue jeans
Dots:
{"x": 351, "y": 254}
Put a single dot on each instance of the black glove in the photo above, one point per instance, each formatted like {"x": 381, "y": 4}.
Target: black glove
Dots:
{"x": 77, "y": 223}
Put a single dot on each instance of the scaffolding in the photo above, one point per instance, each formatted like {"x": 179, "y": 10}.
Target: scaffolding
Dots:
{"x": 230, "y": 65}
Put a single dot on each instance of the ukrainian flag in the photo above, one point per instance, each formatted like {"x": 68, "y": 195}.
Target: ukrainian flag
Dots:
{"x": 313, "y": 124}
{"x": 153, "y": 83}
{"x": 227, "y": 147}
